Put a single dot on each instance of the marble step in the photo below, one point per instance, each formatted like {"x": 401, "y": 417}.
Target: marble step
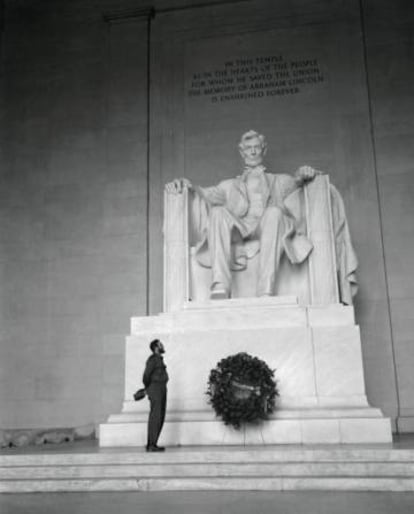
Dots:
{"x": 211, "y": 483}
{"x": 138, "y": 413}
{"x": 368, "y": 468}
{"x": 262, "y": 469}
{"x": 262, "y": 454}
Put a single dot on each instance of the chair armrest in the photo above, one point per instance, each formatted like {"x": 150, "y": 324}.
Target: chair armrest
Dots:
{"x": 176, "y": 250}
{"x": 322, "y": 260}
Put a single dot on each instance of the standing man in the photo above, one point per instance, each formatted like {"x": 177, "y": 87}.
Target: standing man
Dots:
{"x": 155, "y": 381}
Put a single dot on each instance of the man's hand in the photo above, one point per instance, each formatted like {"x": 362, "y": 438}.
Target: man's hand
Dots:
{"x": 178, "y": 185}
{"x": 306, "y": 174}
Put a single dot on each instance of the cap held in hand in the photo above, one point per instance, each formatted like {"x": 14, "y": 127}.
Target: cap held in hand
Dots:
{"x": 139, "y": 395}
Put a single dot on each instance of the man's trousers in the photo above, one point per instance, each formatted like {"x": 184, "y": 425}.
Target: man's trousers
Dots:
{"x": 157, "y": 394}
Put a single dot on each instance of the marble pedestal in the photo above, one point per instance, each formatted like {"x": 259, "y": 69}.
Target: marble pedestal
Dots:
{"x": 315, "y": 350}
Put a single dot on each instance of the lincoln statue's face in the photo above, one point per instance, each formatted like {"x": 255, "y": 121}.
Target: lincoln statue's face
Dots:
{"x": 252, "y": 151}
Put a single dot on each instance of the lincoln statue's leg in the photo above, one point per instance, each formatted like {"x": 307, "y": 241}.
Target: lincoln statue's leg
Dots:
{"x": 271, "y": 248}
{"x": 221, "y": 226}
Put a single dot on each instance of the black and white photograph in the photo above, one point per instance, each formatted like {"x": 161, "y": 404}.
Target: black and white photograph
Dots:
{"x": 206, "y": 256}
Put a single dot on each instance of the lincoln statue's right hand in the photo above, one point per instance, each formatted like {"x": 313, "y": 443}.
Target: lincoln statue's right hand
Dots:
{"x": 178, "y": 185}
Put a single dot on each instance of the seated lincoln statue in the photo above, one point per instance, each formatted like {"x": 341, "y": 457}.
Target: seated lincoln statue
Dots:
{"x": 255, "y": 206}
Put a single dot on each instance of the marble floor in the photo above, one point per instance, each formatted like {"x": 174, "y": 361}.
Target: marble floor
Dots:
{"x": 230, "y": 502}
{"x": 227, "y": 502}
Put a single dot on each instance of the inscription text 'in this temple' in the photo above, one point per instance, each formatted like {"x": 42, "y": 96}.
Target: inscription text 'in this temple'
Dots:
{"x": 258, "y": 77}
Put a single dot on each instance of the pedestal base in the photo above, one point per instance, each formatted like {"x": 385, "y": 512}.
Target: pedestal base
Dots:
{"x": 364, "y": 426}
{"x": 315, "y": 352}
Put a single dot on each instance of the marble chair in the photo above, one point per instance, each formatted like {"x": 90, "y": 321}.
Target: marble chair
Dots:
{"x": 313, "y": 282}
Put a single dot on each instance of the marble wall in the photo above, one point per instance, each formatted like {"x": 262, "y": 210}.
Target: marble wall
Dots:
{"x": 72, "y": 211}
{"x": 74, "y": 260}
{"x": 390, "y": 54}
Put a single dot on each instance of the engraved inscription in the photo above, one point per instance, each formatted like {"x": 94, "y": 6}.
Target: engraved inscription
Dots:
{"x": 256, "y": 77}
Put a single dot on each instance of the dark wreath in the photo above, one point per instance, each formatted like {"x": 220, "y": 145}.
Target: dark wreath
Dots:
{"x": 242, "y": 389}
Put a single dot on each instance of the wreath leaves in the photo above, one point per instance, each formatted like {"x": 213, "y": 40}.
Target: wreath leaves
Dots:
{"x": 242, "y": 389}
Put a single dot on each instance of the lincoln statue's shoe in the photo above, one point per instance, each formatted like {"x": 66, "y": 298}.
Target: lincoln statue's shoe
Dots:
{"x": 219, "y": 292}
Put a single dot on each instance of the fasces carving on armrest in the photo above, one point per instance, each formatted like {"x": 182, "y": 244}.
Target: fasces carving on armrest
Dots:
{"x": 176, "y": 249}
